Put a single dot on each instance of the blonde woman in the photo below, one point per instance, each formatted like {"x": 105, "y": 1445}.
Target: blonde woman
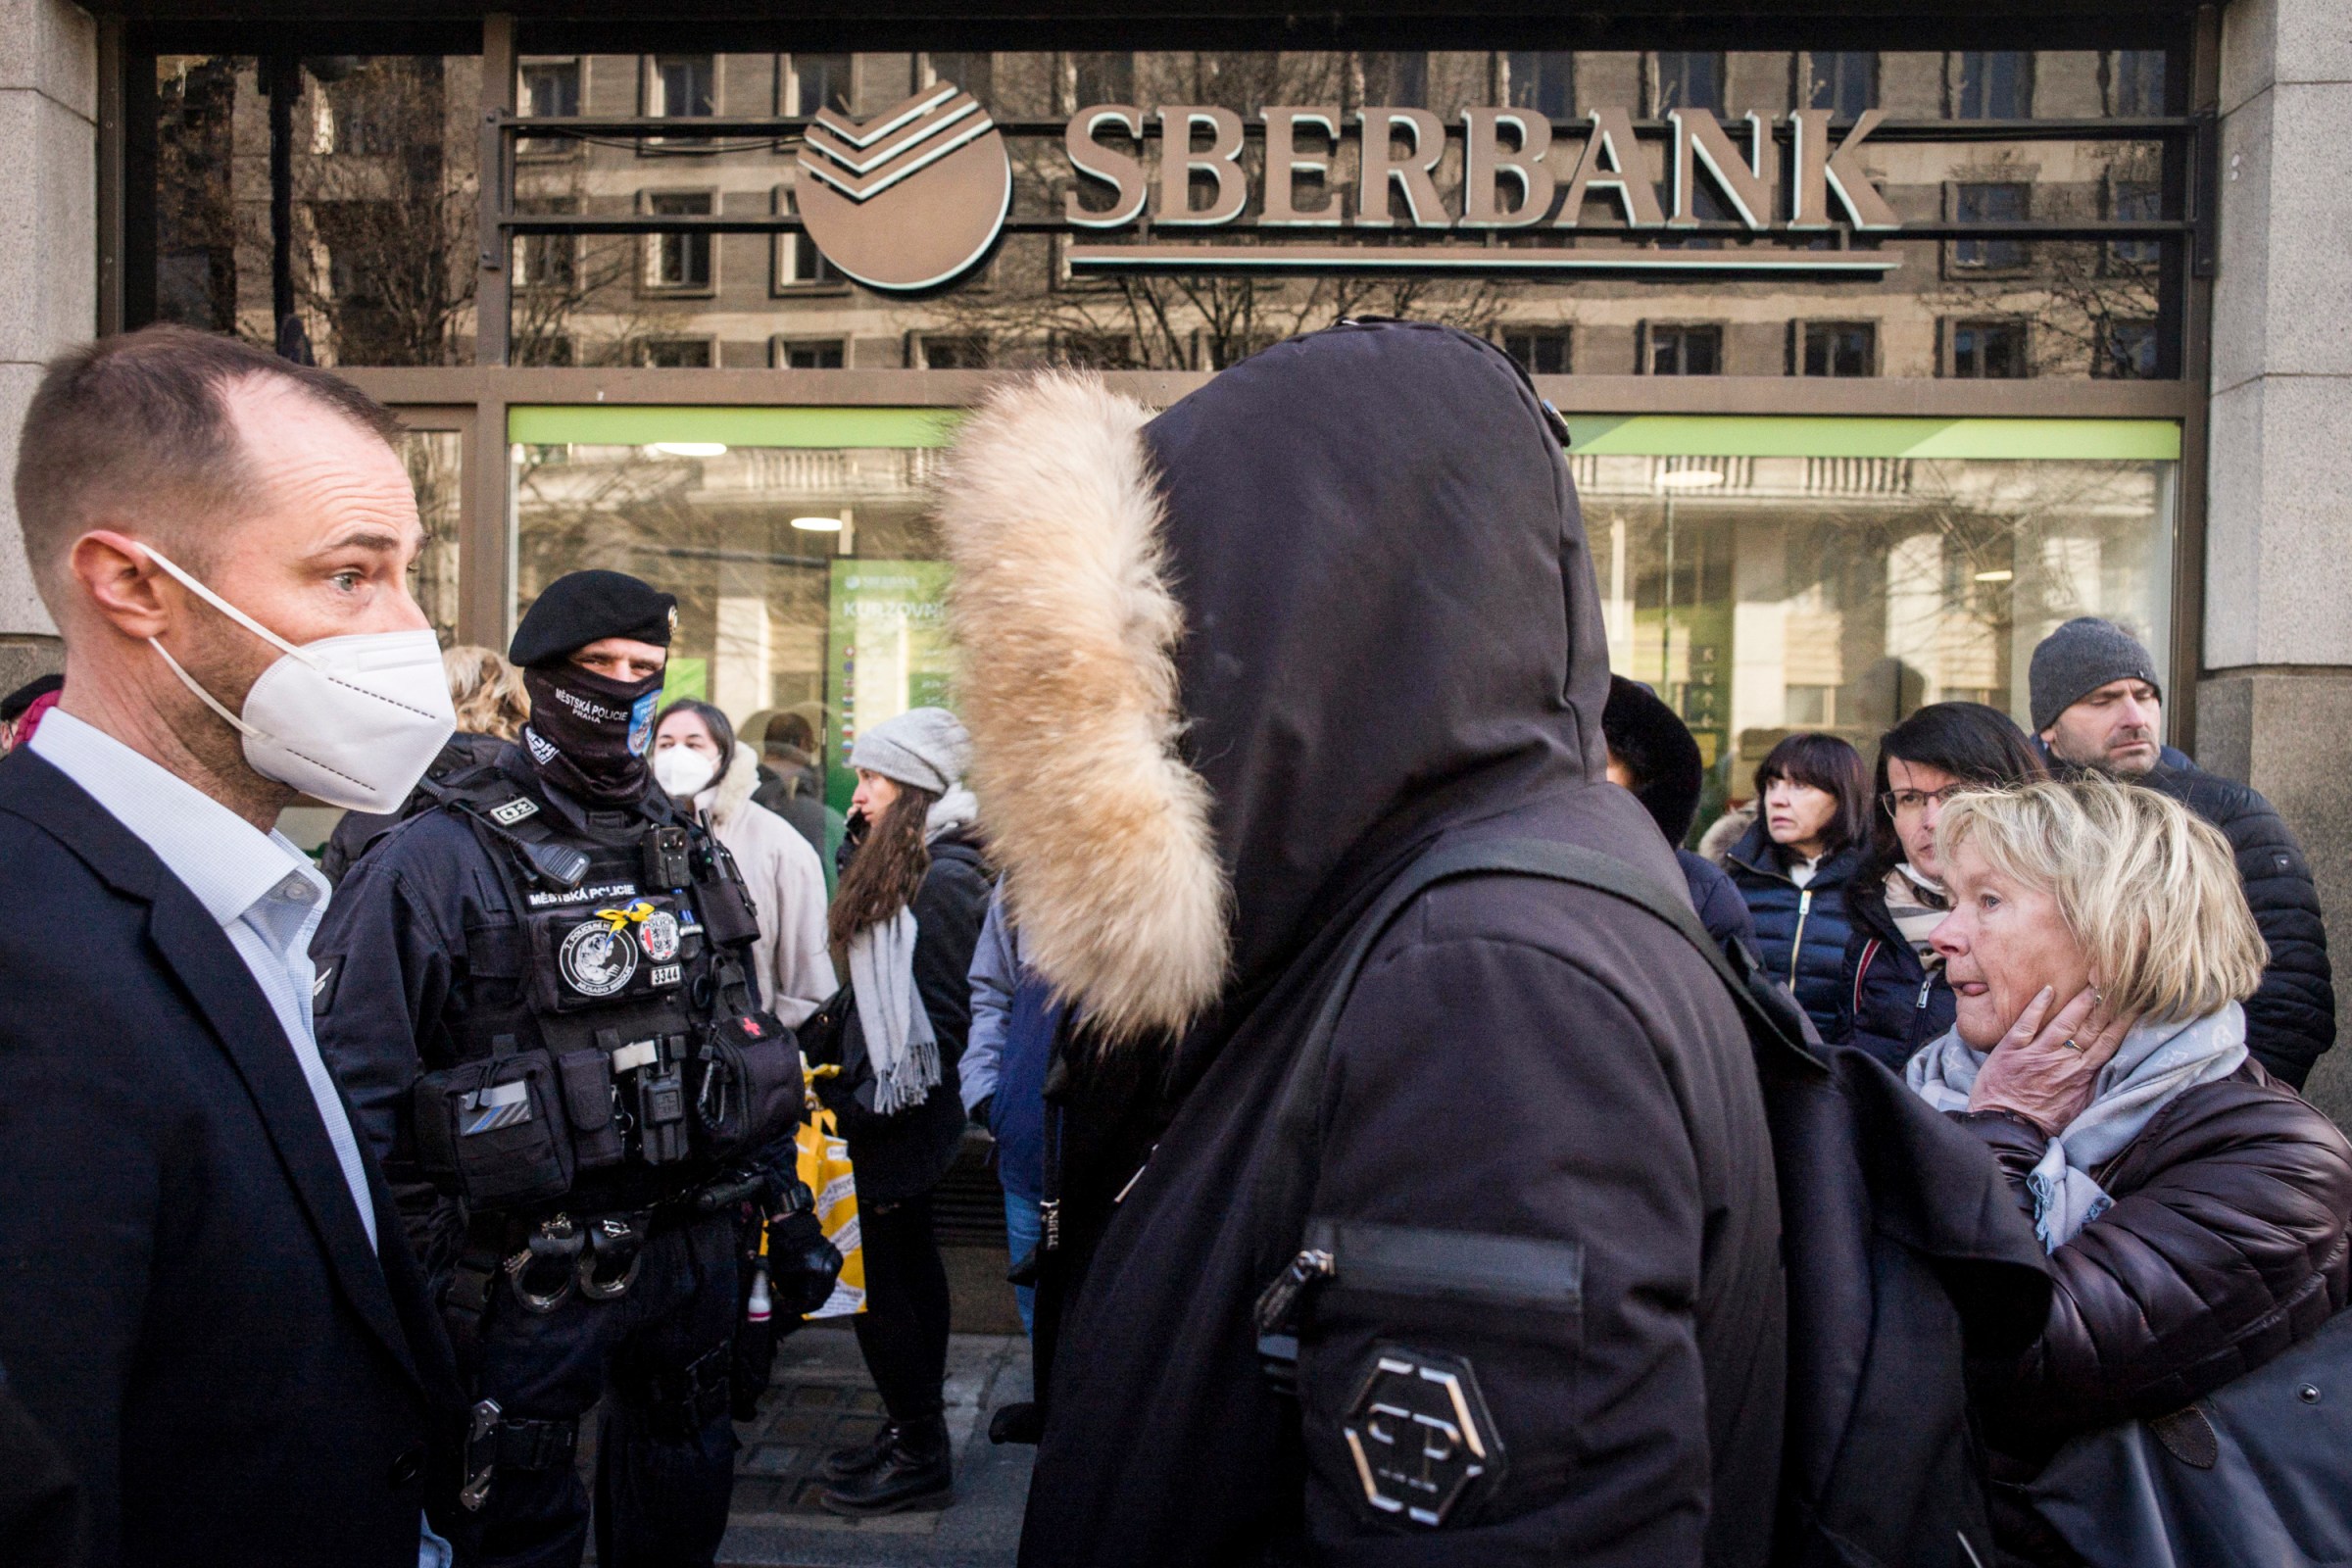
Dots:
{"x": 2195, "y": 1212}
{"x": 492, "y": 709}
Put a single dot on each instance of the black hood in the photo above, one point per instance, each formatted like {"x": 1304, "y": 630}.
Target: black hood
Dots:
{"x": 1392, "y": 620}
{"x": 1226, "y": 669}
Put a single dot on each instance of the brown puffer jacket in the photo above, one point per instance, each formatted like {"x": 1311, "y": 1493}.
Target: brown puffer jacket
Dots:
{"x": 2229, "y": 1240}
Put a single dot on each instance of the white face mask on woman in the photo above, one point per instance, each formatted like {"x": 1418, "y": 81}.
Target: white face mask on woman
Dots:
{"x": 351, "y": 720}
{"x": 684, "y": 772}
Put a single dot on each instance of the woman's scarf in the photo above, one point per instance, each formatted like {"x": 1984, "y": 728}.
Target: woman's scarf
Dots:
{"x": 1917, "y": 904}
{"x": 899, "y": 1041}
{"x": 2156, "y": 1062}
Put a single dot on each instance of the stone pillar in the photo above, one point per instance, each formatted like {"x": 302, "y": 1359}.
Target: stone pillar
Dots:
{"x": 48, "y": 257}
{"x": 2274, "y": 701}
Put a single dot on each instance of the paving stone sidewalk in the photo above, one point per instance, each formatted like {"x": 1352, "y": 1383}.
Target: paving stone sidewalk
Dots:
{"x": 821, "y": 1399}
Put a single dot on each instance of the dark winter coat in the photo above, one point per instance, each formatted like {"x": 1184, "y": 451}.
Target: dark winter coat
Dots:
{"x": 1890, "y": 1003}
{"x": 905, "y": 1155}
{"x": 1393, "y": 640}
{"x": 2290, "y": 1022}
{"x": 1717, "y": 900}
{"x": 1801, "y": 932}
{"x": 2228, "y": 1243}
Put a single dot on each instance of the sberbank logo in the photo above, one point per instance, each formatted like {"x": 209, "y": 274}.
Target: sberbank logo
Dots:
{"x": 910, "y": 198}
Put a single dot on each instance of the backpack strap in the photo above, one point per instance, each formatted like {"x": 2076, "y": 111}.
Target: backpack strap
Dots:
{"x": 1774, "y": 1023}
{"x": 1870, "y": 951}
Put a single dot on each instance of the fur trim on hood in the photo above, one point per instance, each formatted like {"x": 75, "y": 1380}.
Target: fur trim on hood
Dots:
{"x": 1052, "y": 518}
{"x": 733, "y": 792}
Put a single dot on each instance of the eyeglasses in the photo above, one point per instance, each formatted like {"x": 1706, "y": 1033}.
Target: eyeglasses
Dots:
{"x": 1910, "y": 803}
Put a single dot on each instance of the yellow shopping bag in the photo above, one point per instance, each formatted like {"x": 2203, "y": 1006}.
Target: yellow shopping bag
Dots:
{"x": 825, "y": 1165}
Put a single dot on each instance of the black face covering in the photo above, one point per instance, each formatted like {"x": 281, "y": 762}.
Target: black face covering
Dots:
{"x": 588, "y": 734}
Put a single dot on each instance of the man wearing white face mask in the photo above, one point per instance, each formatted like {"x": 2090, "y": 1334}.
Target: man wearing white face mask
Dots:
{"x": 204, "y": 1295}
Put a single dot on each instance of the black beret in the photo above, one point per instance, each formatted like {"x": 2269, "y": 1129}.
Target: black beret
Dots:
{"x": 12, "y": 705}
{"x": 582, "y": 606}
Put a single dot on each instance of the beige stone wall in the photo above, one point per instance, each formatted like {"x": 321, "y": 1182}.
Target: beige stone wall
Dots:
{"x": 48, "y": 256}
{"x": 2275, "y": 707}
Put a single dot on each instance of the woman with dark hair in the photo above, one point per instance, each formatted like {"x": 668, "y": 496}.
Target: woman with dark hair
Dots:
{"x": 1793, "y": 864}
{"x": 906, "y": 919}
{"x": 1894, "y": 998}
{"x": 697, "y": 760}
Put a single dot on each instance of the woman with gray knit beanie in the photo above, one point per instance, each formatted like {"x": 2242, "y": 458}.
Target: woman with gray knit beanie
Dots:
{"x": 905, "y": 920}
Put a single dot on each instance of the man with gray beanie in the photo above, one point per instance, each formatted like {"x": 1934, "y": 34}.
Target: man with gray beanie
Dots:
{"x": 2097, "y": 704}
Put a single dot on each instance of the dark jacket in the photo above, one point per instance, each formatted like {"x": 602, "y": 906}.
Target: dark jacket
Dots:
{"x": 356, "y": 831}
{"x": 2290, "y": 1022}
{"x": 1801, "y": 932}
{"x": 1522, "y": 1070}
{"x": 189, "y": 1303}
{"x": 1889, "y": 1003}
{"x": 1717, "y": 900}
{"x": 905, "y": 1155}
{"x": 2229, "y": 1240}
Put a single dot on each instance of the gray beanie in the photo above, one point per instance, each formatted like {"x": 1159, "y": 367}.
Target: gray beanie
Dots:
{"x": 925, "y": 747}
{"x": 2080, "y": 657}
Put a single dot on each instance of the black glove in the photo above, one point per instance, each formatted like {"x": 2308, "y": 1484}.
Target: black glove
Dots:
{"x": 802, "y": 1265}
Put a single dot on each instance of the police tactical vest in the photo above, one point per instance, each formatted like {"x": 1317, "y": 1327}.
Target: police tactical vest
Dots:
{"x": 634, "y": 1064}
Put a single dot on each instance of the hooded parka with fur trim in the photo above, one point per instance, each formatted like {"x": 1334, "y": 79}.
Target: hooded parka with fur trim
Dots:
{"x": 1230, "y": 671}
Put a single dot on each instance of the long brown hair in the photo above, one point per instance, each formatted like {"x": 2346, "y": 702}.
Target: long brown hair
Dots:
{"x": 882, "y": 877}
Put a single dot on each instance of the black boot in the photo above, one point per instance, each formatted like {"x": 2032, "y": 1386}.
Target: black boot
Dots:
{"x": 917, "y": 1471}
{"x": 858, "y": 1457}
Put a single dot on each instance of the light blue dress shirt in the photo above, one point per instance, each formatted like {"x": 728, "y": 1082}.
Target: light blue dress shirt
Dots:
{"x": 263, "y": 892}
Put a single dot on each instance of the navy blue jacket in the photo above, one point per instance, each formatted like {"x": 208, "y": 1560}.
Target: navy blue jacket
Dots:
{"x": 1720, "y": 907}
{"x": 188, "y": 1304}
{"x": 1889, "y": 1003}
{"x": 1801, "y": 932}
{"x": 2290, "y": 1021}
{"x": 1011, "y": 1042}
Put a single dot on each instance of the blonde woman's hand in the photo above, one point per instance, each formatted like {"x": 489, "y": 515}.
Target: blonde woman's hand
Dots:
{"x": 2046, "y": 1072}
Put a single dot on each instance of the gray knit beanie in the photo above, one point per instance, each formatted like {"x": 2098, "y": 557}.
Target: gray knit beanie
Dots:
{"x": 925, "y": 747}
{"x": 2080, "y": 657}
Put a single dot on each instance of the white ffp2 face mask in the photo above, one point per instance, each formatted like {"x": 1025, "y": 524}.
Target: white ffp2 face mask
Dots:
{"x": 352, "y": 720}
{"x": 684, "y": 772}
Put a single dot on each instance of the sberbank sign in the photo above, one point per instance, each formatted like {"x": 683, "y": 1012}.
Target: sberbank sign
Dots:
{"x": 1516, "y": 173}
{"x": 914, "y": 197}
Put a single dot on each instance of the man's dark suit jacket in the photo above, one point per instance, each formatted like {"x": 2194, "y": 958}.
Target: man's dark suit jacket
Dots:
{"x": 188, "y": 1303}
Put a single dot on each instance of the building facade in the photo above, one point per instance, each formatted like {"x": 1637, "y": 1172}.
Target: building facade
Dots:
{"x": 1888, "y": 340}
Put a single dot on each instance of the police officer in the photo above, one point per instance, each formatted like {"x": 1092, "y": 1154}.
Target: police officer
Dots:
{"x": 536, "y": 994}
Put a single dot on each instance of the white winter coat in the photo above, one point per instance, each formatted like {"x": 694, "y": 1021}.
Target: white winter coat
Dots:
{"x": 788, "y": 889}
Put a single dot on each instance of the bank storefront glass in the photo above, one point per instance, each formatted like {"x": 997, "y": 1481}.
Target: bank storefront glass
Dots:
{"x": 1764, "y": 574}
{"x": 1879, "y": 360}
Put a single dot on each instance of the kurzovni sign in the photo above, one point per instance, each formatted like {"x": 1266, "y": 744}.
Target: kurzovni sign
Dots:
{"x": 914, "y": 197}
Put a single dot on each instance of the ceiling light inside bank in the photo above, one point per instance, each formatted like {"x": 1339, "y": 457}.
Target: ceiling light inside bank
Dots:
{"x": 1690, "y": 479}
{"x": 1995, "y": 576}
{"x": 691, "y": 449}
{"x": 818, "y": 524}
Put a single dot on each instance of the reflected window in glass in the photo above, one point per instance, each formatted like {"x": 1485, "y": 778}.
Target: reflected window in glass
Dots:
{"x": 1841, "y": 348}
{"x": 678, "y": 263}
{"x": 1543, "y": 353}
{"x": 815, "y": 82}
{"x": 1685, "y": 350}
{"x": 2135, "y": 82}
{"x": 1103, "y": 76}
{"x": 1542, "y": 79}
{"x": 971, "y": 70}
{"x": 681, "y": 86}
{"x": 2128, "y": 351}
{"x": 675, "y": 353}
{"x": 1992, "y": 84}
{"x": 1844, "y": 81}
{"x": 952, "y": 352}
{"x": 1687, "y": 79}
{"x": 2135, "y": 201}
{"x": 807, "y": 354}
{"x": 1991, "y": 202}
{"x": 1988, "y": 350}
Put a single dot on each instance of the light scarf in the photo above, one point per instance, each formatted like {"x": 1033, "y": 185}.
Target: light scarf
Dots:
{"x": 1917, "y": 904}
{"x": 2155, "y": 1064}
{"x": 898, "y": 1040}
